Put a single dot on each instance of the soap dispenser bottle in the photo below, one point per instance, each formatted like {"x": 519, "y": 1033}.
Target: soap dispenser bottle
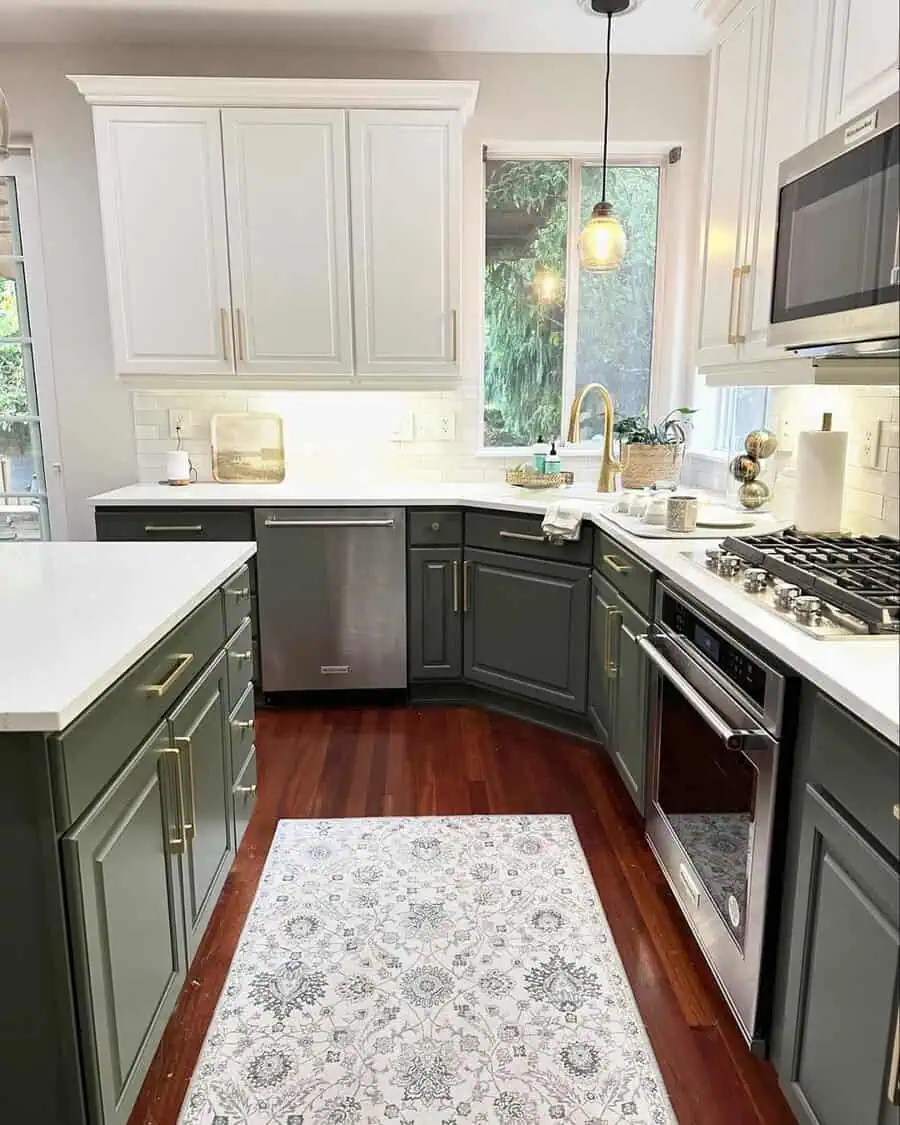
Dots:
{"x": 553, "y": 463}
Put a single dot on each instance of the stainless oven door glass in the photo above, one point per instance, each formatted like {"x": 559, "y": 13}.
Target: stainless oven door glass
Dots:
{"x": 707, "y": 794}
{"x": 837, "y": 242}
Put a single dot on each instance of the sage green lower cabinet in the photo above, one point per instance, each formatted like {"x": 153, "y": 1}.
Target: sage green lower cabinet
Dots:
{"x": 840, "y": 1020}
{"x": 618, "y": 703}
{"x": 200, "y": 734}
{"x": 434, "y": 575}
{"x": 526, "y": 627}
{"x": 128, "y": 943}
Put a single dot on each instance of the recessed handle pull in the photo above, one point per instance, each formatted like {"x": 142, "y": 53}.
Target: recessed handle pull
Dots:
{"x": 183, "y": 659}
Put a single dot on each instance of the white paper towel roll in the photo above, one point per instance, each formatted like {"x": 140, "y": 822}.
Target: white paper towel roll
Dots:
{"x": 819, "y": 498}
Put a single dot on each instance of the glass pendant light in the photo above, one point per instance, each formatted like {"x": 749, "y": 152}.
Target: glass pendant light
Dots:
{"x": 602, "y": 243}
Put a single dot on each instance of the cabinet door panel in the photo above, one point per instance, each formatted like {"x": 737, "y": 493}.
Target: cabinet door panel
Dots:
{"x": 735, "y": 77}
{"x": 864, "y": 56}
{"x": 288, "y": 226}
{"x": 526, "y": 628}
{"x": 405, "y": 198}
{"x": 128, "y": 940}
{"x": 841, "y": 998}
{"x": 603, "y": 610}
{"x": 435, "y": 622}
{"x": 162, "y": 201}
{"x": 629, "y": 741}
{"x": 200, "y": 732}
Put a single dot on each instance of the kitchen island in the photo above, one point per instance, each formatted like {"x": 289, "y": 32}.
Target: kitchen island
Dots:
{"x": 125, "y": 793}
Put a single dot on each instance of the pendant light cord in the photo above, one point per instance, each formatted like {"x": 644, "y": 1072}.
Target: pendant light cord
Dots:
{"x": 609, "y": 20}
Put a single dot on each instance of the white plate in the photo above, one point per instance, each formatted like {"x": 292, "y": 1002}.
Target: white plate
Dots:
{"x": 722, "y": 517}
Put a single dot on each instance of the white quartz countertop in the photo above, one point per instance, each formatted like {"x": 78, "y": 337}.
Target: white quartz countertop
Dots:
{"x": 862, "y": 675}
{"x": 74, "y": 617}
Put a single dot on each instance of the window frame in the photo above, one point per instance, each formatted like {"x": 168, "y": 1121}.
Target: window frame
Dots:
{"x": 19, "y": 166}
{"x": 578, "y": 157}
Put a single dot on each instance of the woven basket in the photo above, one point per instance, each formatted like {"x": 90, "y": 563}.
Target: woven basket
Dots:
{"x": 644, "y": 464}
{"x": 528, "y": 478}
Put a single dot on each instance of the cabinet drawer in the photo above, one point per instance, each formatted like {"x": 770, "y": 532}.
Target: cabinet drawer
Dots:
{"x": 238, "y": 599}
{"x": 522, "y": 535}
{"x": 241, "y": 724}
{"x": 94, "y": 748}
{"x": 240, "y": 664}
{"x": 161, "y": 524}
{"x": 622, "y": 569}
{"x": 435, "y": 528}
{"x": 859, "y": 769}
{"x": 244, "y": 794}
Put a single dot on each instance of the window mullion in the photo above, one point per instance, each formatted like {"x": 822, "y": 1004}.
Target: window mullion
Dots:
{"x": 573, "y": 296}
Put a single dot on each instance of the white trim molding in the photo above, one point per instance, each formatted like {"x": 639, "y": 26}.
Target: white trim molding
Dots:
{"x": 714, "y": 11}
{"x": 310, "y": 93}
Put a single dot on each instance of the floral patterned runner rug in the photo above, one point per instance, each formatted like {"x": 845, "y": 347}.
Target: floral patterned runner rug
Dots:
{"x": 439, "y": 970}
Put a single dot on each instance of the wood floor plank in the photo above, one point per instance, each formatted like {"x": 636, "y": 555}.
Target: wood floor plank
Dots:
{"x": 451, "y": 761}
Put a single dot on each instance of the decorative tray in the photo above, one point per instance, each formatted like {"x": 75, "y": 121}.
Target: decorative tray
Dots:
{"x": 529, "y": 478}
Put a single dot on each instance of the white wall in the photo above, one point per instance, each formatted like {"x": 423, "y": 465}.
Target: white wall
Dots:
{"x": 656, "y": 100}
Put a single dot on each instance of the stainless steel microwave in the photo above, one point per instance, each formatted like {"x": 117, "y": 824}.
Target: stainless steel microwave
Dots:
{"x": 836, "y": 286}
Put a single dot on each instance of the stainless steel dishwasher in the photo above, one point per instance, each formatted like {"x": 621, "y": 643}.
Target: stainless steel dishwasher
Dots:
{"x": 332, "y": 598}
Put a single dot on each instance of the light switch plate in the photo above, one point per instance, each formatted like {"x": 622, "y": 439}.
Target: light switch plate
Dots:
{"x": 404, "y": 427}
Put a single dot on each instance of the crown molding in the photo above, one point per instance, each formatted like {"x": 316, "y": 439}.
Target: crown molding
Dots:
{"x": 714, "y": 11}
{"x": 311, "y": 93}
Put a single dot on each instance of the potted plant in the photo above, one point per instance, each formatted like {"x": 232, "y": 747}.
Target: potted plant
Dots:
{"x": 651, "y": 452}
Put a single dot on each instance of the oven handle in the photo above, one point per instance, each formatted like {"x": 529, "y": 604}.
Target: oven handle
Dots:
{"x": 733, "y": 739}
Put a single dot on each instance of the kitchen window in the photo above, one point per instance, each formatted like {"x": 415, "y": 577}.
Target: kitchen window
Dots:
{"x": 24, "y": 499}
{"x": 551, "y": 327}
{"x": 725, "y": 416}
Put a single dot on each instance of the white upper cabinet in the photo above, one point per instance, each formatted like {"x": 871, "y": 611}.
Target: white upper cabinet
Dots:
{"x": 862, "y": 55}
{"x": 789, "y": 110}
{"x": 163, "y": 208}
{"x": 728, "y": 221}
{"x": 288, "y": 226}
{"x": 405, "y": 177}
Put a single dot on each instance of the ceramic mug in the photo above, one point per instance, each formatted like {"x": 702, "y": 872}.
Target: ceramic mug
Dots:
{"x": 655, "y": 512}
{"x": 681, "y": 513}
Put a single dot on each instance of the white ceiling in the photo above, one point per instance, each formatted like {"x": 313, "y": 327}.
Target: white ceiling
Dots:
{"x": 656, "y": 27}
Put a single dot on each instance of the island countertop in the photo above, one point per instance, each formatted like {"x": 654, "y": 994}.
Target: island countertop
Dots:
{"x": 77, "y": 616}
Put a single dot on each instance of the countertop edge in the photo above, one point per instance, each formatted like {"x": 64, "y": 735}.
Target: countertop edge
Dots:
{"x": 55, "y": 722}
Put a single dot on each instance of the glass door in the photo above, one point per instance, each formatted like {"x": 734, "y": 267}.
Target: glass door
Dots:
{"x": 24, "y": 502}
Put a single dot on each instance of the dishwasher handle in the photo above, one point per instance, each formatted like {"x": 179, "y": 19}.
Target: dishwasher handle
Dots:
{"x": 328, "y": 523}
{"x": 733, "y": 739}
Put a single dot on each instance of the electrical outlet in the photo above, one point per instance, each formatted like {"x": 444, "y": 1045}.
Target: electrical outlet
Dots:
{"x": 446, "y": 425}
{"x": 436, "y": 425}
{"x": 178, "y": 418}
{"x": 785, "y": 434}
{"x": 870, "y": 447}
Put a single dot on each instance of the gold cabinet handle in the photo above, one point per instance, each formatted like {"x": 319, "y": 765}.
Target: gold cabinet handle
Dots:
{"x": 246, "y": 790}
{"x": 896, "y": 812}
{"x": 520, "y": 535}
{"x": 739, "y": 337}
{"x": 467, "y": 569}
{"x": 176, "y": 841}
{"x": 893, "y": 1090}
{"x": 732, "y": 338}
{"x": 455, "y": 580}
{"x": 225, "y": 329}
{"x": 239, "y": 317}
{"x": 183, "y": 660}
{"x": 190, "y": 829}
{"x": 241, "y": 657}
{"x": 454, "y": 321}
{"x": 610, "y": 668}
{"x": 614, "y": 564}
{"x": 244, "y": 724}
{"x": 243, "y": 592}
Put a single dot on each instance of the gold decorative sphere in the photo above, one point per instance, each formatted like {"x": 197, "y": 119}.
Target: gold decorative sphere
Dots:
{"x": 744, "y": 468}
{"x": 753, "y": 494}
{"x": 761, "y": 444}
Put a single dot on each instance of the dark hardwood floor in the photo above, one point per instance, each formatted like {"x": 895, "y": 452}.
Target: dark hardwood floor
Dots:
{"x": 408, "y": 762}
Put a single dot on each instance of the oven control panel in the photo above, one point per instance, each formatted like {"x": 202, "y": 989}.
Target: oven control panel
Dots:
{"x": 744, "y": 672}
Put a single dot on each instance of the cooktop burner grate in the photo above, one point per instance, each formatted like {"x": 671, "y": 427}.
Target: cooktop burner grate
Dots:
{"x": 860, "y": 574}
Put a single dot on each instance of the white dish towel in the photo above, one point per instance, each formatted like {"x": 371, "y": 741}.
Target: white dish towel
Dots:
{"x": 561, "y": 523}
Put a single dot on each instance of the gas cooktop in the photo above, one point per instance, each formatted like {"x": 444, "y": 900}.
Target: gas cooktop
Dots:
{"x": 831, "y": 586}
